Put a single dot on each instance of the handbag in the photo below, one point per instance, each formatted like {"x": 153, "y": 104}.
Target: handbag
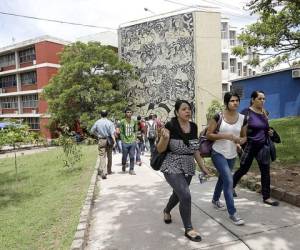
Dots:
{"x": 157, "y": 159}
{"x": 275, "y": 137}
{"x": 205, "y": 145}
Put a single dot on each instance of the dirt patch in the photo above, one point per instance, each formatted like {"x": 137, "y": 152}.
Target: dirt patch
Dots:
{"x": 285, "y": 177}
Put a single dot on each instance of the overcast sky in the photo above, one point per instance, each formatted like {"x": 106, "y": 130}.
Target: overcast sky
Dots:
{"x": 109, "y": 13}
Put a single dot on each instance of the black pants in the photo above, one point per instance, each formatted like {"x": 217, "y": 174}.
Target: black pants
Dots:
{"x": 181, "y": 193}
{"x": 252, "y": 150}
{"x": 152, "y": 144}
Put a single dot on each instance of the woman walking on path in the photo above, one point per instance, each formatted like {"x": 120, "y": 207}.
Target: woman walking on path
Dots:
{"x": 257, "y": 133}
{"x": 229, "y": 138}
{"x": 180, "y": 139}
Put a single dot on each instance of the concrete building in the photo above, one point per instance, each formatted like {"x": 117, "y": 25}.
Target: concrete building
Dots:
{"x": 281, "y": 87}
{"x": 25, "y": 69}
{"x": 175, "y": 57}
{"x": 233, "y": 67}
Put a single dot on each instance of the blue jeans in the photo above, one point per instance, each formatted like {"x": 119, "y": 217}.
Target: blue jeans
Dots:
{"x": 138, "y": 151}
{"x": 128, "y": 148}
{"x": 225, "y": 180}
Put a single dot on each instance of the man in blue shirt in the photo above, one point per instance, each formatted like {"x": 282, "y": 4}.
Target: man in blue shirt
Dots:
{"x": 104, "y": 129}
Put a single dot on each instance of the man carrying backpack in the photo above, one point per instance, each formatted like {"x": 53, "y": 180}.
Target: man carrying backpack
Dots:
{"x": 151, "y": 132}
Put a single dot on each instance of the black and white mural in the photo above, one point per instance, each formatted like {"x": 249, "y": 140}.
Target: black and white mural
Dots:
{"x": 162, "y": 53}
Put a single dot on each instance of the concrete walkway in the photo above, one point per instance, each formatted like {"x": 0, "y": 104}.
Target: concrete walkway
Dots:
{"x": 128, "y": 215}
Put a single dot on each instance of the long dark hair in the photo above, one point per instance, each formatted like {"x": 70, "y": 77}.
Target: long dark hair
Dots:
{"x": 175, "y": 123}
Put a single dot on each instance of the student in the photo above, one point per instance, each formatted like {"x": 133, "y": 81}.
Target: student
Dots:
{"x": 104, "y": 129}
{"x": 230, "y": 136}
{"x": 258, "y": 130}
{"x": 128, "y": 130}
{"x": 180, "y": 139}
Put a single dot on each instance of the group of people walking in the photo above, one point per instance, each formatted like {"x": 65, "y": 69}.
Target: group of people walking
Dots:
{"x": 233, "y": 134}
{"x": 129, "y": 136}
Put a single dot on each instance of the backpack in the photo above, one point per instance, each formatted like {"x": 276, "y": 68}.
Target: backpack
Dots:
{"x": 151, "y": 131}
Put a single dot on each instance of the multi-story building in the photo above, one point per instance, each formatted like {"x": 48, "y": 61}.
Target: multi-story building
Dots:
{"x": 25, "y": 69}
{"x": 233, "y": 67}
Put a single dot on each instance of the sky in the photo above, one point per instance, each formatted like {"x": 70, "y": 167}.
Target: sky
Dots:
{"x": 109, "y": 14}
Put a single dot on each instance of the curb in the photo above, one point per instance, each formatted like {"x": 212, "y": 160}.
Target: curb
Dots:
{"x": 253, "y": 183}
{"x": 80, "y": 237}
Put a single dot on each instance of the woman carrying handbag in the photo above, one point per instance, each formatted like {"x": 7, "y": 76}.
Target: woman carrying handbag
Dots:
{"x": 229, "y": 138}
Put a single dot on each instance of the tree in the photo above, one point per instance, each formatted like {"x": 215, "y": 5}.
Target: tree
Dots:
{"x": 275, "y": 37}
{"x": 91, "y": 78}
{"x": 15, "y": 135}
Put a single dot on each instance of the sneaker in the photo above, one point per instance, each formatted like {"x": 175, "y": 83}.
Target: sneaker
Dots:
{"x": 132, "y": 172}
{"x": 123, "y": 168}
{"x": 236, "y": 220}
{"x": 218, "y": 205}
{"x": 234, "y": 193}
{"x": 104, "y": 176}
{"x": 139, "y": 163}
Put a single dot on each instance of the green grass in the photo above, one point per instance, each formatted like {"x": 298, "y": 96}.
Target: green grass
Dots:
{"x": 41, "y": 210}
{"x": 288, "y": 151}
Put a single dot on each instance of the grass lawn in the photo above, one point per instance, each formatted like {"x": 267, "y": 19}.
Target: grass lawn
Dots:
{"x": 288, "y": 151}
{"x": 41, "y": 210}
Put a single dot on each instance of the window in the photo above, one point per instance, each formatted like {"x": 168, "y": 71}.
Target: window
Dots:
{"x": 224, "y": 61}
{"x": 30, "y": 101}
{"x": 232, "y": 37}
{"x": 7, "y": 60}
{"x": 27, "y": 55}
{"x": 253, "y": 73}
{"x": 224, "y": 87}
{"x": 224, "y": 30}
{"x": 28, "y": 78}
{"x": 8, "y": 81}
{"x": 249, "y": 72}
{"x": 239, "y": 90}
{"x": 244, "y": 70}
{"x": 239, "y": 69}
{"x": 9, "y": 102}
{"x": 232, "y": 65}
{"x": 32, "y": 122}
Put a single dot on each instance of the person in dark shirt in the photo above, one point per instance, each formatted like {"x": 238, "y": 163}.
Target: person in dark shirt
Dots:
{"x": 257, "y": 132}
{"x": 180, "y": 139}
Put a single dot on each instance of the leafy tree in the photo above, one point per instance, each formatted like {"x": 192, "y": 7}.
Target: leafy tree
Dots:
{"x": 214, "y": 108}
{"x": 15, "y": 135}
{"x": 275, "y": 37}
{"x": 91, "y": 78}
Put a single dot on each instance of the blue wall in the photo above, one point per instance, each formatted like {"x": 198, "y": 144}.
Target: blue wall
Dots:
{"x": 281, "y": 90}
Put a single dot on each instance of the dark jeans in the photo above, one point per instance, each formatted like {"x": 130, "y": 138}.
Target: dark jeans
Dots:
{"x": 251, "y": 152}
{"x": 138, "y": 151}
{"x": 225, "y": 182}
{"x": 181, "y": 193}
{"x": 128, "y": 148}
{"x": 152, "y": 144}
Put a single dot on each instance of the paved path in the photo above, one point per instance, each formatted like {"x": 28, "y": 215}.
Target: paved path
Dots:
{"x": 128, "y": 216}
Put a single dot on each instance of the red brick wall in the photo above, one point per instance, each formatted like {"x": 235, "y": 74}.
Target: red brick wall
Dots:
{"x": 43, "y": 128}
{"x": 44, "y": 75}
{"x": 10, "y": 89}
{"x": 29, "y": 110}
{"x": 25, "y": 64}
{"x": 8, "y": 67}
{"x": 47, "y": 52}
{"x": 29, "y": 87}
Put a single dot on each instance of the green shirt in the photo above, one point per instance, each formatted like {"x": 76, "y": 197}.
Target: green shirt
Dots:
{"x": 128, "y": 131}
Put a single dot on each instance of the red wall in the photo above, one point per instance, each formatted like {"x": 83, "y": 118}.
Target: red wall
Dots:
{"x": 43, "y": 128}
{"x": 47, "y": 52}
{"x": 44, "y": 75}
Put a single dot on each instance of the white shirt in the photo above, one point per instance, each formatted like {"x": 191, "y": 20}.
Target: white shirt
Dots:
{"x": 226, "y": 147}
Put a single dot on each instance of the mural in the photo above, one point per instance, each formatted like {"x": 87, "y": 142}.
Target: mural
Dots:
{"x": 162, "y": 53}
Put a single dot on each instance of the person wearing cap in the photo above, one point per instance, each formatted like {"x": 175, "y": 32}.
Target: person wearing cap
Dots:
{"x": 128, "y": 131}
{"x": 104, "y": 130}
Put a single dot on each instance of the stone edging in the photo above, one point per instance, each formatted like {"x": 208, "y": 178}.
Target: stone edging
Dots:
{"x": 253, "y": 183}
{"x": 80, "y": 237}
